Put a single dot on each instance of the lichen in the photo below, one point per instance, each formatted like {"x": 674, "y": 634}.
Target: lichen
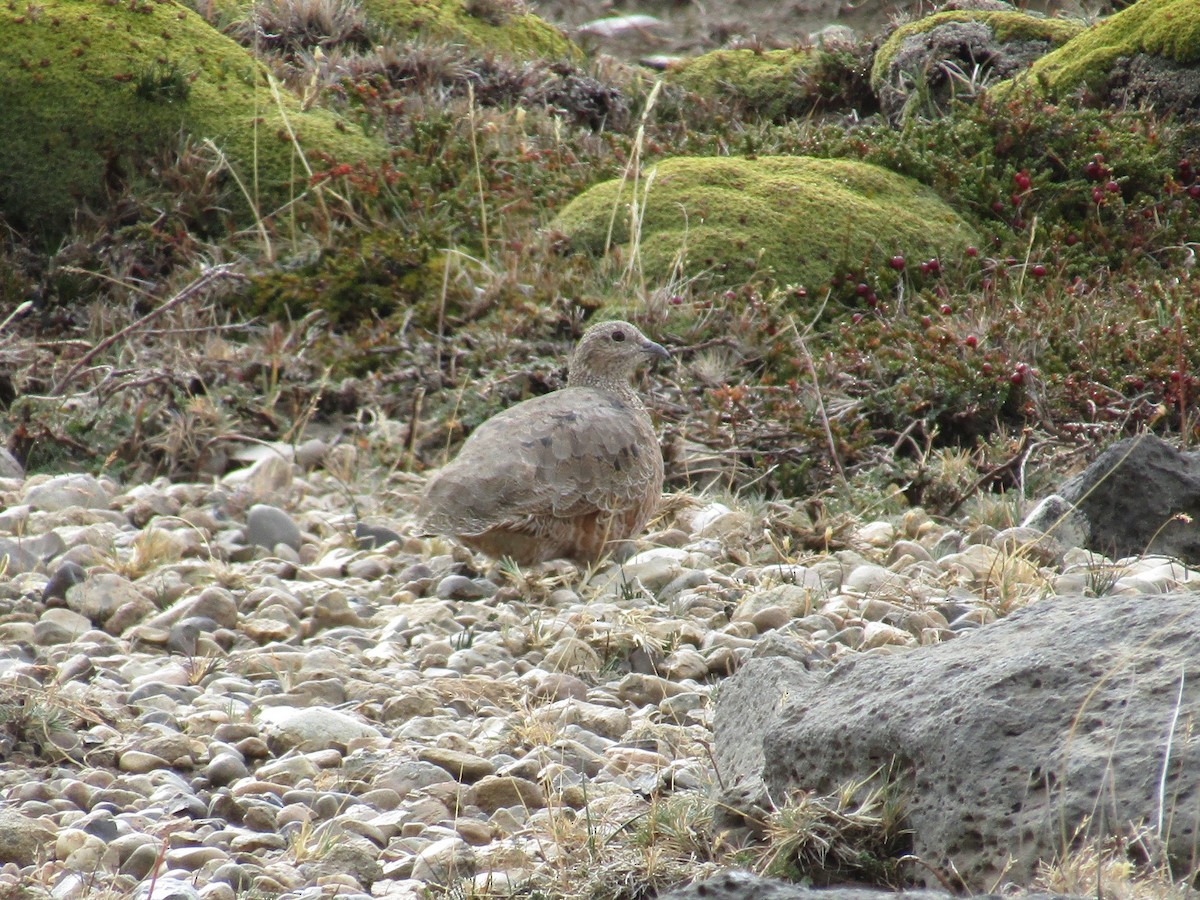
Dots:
{"x": 89, "y": 91}
{"x": 799, "y": 219}
{"x": 1164, "y": 28}
{"x": 1005, "y": 25}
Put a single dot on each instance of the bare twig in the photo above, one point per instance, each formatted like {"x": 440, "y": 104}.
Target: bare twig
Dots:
{"x": 202, "y": 281}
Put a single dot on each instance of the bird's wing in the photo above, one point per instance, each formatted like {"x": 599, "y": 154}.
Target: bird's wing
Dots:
{"x": 575, "y": 451}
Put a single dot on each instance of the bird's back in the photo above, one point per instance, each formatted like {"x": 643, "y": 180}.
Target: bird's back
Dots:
{"x": 578, "y": 465}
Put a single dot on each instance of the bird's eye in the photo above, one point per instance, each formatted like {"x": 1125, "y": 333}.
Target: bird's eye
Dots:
{"x": 618, "y": 335}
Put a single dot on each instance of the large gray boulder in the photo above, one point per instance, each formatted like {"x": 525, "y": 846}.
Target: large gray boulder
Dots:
{"x": 1068, "y": 719}
{"x": 1141, "y": 495}
{"x": 738, "y": 884}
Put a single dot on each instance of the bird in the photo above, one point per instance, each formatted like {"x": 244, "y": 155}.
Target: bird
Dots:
{"x": 573, "y": 474}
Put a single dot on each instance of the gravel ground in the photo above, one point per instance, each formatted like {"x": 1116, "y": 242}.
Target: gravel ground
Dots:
{"x": 219, "y": 690}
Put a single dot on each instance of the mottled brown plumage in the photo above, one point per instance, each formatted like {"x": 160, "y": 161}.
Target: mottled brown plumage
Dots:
{"x": 570, "y": 474}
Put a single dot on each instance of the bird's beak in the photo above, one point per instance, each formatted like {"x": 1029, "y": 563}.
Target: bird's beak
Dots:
{"x": 655, "y": 351}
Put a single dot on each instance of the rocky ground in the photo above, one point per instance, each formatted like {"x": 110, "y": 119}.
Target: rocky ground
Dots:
{"x": 254, "y": 678}
{"x": 647, "y": 30}
{"x": 270, "y": 686}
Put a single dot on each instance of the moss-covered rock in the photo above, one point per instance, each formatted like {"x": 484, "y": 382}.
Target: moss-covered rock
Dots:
{"x": 500, "y": 25}
{"x": 371, "y": 275}
{"x": 90, "y": 91}
{"x": 1162, "y": 36}
{"x": 798, "y": 219}
{"x": 776, "y": 84}
{"x": 983, "y": 45}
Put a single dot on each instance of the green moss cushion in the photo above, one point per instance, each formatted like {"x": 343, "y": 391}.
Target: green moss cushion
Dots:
{"x": 1169, "y": 29}
{"x": 485, "y": 24}
{"x": 90, "y": 91}
{"x": 801, "y": 219}
{"x": 770, "y": 84}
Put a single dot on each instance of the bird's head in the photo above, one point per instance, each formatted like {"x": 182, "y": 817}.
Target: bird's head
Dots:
{"x": 608, "y": 355}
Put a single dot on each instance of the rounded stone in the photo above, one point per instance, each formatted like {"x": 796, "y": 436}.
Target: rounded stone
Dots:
{"x": 267, "y": 526}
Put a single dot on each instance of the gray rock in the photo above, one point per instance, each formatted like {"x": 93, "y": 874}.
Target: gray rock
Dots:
{"x": 602, "y": 720}
{"x": 215, "y": 603}
{"x": 59, "y": 626}
{"x": 167, "y": 888}
{"x": 921, "y": 63}
{"x": 370, "y": 537}
{"x": 66, "y": 492}
{"x": 749, "y": 703}
{"x": 350, "y": 855}
{"x": 311, "y": 453}
{"x": 445, "y": 861}
{"x": 100, "y": 595}
{"x": 267, "y": 526}
{"x": 495, "y": 792}
{"x": 464, "y": 767}
{"x": 459, "y": 587}
{"x": 738, "y": 884}
{"x": 10, "y": 467}
{"x": 397, "y": 773}
{"x": 1060, "y": 521}
{"x": 225, "y": 768}
{"x": 310, "y": 728}
{"x": 15, "y": 558}
{"x": 1145, "y": 79}
{"x": 23, "y": 841}
{"x": 65, "y": 576}
{"x": 1141, "y": 495}
{"x": 1002, "y": 740}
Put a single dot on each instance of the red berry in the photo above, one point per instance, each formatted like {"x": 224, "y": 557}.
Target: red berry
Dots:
{"x": 935, "y": 266}
{"x": 676, "y": 300}
{"x": 971, "y": 341}
{"x": 897, "y": 263}
{"x": 1039, "y": 271}
{"x": 926, "y": 321}
{"x": 1015, "y": 199}
{"x": 856, "y": 318}
{"x": 862, "y": 289}
{"x": 1194, "y": 192}
{"x": 944, "y": 309}
{"x": 729, "y": 296}
{"x": 972, "y": 252}
{"x": 998, "y": 207}
{"x": 1022, "y": 180}
{"x": 1097, "y": 195}
{"x": 1112, "y": 187}
{"x": 1072, "y": 239}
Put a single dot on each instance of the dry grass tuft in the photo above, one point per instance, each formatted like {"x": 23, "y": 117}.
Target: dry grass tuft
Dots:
{"x": 289, "y": 26}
